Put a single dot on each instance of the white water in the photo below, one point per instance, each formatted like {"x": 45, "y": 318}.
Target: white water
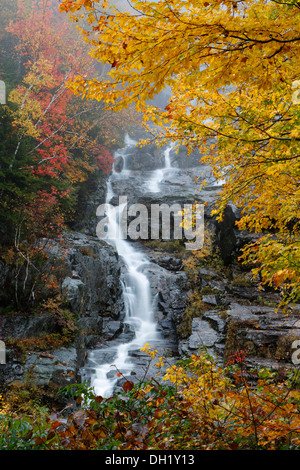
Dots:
{"x": 137, "y": 298}
{"x": 158, "y": 175}
{"x": 167, "y": 156}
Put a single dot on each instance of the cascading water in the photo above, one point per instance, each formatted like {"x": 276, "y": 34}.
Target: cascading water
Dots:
{"x": 158, "y": 175}
{"x": 167, "y": 156}
{"x": 137, "y": 299}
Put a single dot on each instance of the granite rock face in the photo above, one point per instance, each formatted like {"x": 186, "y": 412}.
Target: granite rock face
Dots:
{"x": 145, "y": 158}
{"x": 268, "y": 336}
{"x": 93, "y": 292}
{"x": 232, "y": 319}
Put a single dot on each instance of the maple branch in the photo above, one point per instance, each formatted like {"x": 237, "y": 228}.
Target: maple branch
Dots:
{"x": 62, "y": 125}
{"x": 60, "y": 91}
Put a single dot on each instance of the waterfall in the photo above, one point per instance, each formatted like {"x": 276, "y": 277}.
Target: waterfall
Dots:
{"x": 158, "y": 175}
{"x": 137, "y": 299}
{"x": 167, "y": 156}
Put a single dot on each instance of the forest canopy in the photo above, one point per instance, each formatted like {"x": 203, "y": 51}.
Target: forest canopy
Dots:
{"x": 79, "y": 74}
{"x": 233, "y": 71}
{"x": 53, "y": 144}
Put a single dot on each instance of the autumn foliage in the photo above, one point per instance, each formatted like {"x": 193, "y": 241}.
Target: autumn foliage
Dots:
{"x": 233, "y": 73}
{"x": 232, "y": 68}
{"x": 53, "y": 144}
{"x": 44, "y": 111}
{"x": 194, "y": 405}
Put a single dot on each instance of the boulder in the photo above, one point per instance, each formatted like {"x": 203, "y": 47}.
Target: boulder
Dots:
{"x": 226, "y": 237}
{"x": 202, "y": 336}
{"x": 145, "y": 158}
{"x": 119, "y": 164}
{"x": 58, "y": 368}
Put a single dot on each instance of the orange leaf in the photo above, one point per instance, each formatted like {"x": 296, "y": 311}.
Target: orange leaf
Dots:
{"x": 39, "y": 440}
{"x": 98, "y": 399}
{"x": 127, "y": 386}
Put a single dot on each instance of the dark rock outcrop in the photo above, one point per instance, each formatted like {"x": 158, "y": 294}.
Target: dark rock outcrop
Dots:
{"x": 225, "y": 236}
{"x": 145, "y": 158}
{"x": 232, "y": 317}
{"x": 266, "y": 335}
{"x": 93, "y": 292}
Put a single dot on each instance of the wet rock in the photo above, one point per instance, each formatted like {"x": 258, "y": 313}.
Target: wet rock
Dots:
{"x": 111, "y": 328}
{"x": 208, "y": 273}
{"x": 57, "y": 368}
{"x": 97, "y": 288}
{"x": 168, "y": 262}
{"x": 249, "y": 293}
{"x": 26, "y": 326}
{"x": 211, "y": 299}
{"x": 202, "y": 336}
{"x": 216, "y": 320}
{"x": 265, "y": 333}
{"x": 93, "y": 291}
{"x": 93, "y": 195}
{"x": 119, "y": 164}
{"x": 166, "y": 328}
{"x": 226, "y": 237}
{"x": 144, "y": 158}
{"x": 73, "y": 289}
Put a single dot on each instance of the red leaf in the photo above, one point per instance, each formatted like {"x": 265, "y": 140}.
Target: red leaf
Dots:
{"x": 127, "y": 386}
{"x": 39, "y": 440}
{"x": 98, "y": 399}
{"x": 55, "y": 425}
{"x": 233, "y": 445}
{"x": 51, "y": 435}
{"x": 28, "y": 435}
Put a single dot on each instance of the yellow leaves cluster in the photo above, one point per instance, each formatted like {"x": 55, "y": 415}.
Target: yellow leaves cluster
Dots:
{"x": 4, "y": 407}
{"x": 232, "y": 69}
{"x": 229, "y": 413}
{"x": 147, "y": 349}
{"x": 30, "y": 110}
{"x": 277, "y": 261}
{"x": 75, "y": 5}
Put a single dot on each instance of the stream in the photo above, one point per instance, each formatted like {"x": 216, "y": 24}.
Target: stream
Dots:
{"x": 140, "y": 326}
